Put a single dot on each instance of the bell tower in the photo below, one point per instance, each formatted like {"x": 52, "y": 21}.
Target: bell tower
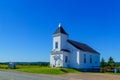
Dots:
{"x": 60, "y": 39}
{"x": 59, "y": 53}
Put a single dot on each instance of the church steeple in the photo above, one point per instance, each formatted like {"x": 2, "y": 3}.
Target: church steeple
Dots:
{"x": 60, "y": 30}
{"x": 60, "y": 25}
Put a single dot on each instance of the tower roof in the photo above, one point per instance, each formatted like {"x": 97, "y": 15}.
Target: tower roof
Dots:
{"x": 60, "y": 30}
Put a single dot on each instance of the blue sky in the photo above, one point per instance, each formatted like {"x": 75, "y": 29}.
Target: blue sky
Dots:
{"x": 26, "y": 27}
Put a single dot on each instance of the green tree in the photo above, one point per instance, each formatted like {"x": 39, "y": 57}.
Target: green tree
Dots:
{"x": 111, "y": 62}
{"x": 103, "y": 65}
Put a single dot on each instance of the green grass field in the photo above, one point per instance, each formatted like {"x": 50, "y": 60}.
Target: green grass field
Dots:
{"x": 39, "y": 69}
{"x": 46, "y": 70}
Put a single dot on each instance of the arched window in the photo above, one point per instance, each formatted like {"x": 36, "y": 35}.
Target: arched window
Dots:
{"x": 56, "y": 45}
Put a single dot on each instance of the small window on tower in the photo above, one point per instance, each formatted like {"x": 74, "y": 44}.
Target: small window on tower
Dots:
{"x": 56, "y": 45}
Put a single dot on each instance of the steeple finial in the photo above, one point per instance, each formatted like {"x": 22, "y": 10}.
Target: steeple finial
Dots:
{"x": 60, "y": 30}
{"x": 59, "y": 25}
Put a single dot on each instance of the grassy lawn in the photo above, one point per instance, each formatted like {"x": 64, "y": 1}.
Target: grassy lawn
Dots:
{"x": 44, "y": 70}
{"x": 39, "y": 69}
{"x": 47, "y": 70}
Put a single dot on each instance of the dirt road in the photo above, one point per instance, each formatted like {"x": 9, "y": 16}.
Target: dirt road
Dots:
{"x": 8, "y": 75}
{"x": 91, "y": 76}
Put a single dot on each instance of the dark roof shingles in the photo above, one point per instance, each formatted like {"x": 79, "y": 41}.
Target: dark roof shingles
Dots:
{"x": 60, "y": 30}
{"x": 82, "y": 46}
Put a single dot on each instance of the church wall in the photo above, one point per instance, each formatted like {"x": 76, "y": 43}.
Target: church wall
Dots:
{"x": 74, "y": 59}
{"x": 64, "y": 41}
{"x": 77, "y": 58}
{"x": 95, "y": 60}
{"x": 66, "y": 64}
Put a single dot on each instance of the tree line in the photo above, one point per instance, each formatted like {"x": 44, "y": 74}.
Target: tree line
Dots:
{"x": 108, "y": 66}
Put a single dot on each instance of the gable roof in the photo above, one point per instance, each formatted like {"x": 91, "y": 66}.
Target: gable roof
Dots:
{"x": 60, "y": 30}
{"x": 82, "y": 46}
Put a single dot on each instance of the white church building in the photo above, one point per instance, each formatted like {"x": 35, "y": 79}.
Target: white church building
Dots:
{"x": 72, "y": 54}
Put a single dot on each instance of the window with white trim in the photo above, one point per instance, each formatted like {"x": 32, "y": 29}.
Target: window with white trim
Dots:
{"x": 56, "y": 45}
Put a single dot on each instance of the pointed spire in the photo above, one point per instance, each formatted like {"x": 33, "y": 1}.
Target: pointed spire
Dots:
{"x": 60, "y": 30}
{"x": 60, "y": 25}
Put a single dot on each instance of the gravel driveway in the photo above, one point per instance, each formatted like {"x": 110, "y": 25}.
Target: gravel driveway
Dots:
{"x": 24, "y": 76}
{"x": 8, "y": 75}
{"x": 91, "y": 76}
